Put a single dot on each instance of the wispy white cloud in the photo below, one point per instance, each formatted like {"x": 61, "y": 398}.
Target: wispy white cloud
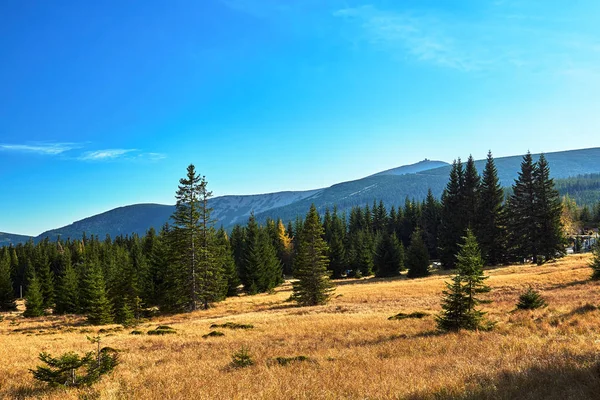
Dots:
{"x": 505, "y": 35}
{"x": 51, "y": 149}
{"x": 107, "y": 154}
{"x": 120, "y": 154}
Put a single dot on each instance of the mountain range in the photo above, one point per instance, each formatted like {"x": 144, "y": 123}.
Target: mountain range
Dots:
{"x": 392, "y": 186}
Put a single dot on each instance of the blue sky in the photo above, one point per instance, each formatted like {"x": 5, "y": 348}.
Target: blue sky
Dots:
{"x": 104, "y": 104}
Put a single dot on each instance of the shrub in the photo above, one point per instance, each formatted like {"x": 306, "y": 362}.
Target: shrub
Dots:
{"x": 283, "y": 361}
{"x": 136, "y": 333}
{"x": 416, "y": 314}
{"x": 162, "y": 330}
{"x": 213, "y": 334}
{"x": 241, "y": 358}
{"x": 232, "y": 325}
{"x": 531, "y": 299}
{"x": 71, "y": 369}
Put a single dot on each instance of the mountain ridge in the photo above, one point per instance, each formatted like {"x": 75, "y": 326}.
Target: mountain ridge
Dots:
{"x": 392, "y": 186}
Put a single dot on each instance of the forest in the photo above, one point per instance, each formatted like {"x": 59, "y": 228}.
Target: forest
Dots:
{"x": 189, "y": 264}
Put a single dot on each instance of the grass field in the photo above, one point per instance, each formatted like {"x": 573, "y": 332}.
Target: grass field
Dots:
{"x": 353, "y": 350}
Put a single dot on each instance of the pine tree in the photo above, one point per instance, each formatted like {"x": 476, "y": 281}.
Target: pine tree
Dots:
{"x": 461, "y": 297}
{"x": 261, "y": 270}
{"x": 530, "y": 300}
{"x": 313, "y": 286}
{"x": 97, "y": 305}
{"x": 7, "y": 294}
{"x": 452, "y": 225}
{"x": 548, "y": 210}
{"x": 389, "y": 256}
{"x": 337, "y": 250}
{"x": 67, "y": 299}
{"x": 522, "y": 223}
{"x": 431, "y": 219}
{"x": 34, "y": 301}
{"x": 227, "y": 263}
{"x": 417, "y": 258}
{"x": 470, "y": 194}
{"x": 490, "y": 228}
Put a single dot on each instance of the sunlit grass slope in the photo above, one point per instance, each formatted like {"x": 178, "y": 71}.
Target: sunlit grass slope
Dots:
{"x": 353, "y": 350}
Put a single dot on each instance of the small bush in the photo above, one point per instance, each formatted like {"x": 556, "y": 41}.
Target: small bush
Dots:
{"x": 162, "y": 330}
{"x": 530, "y": 300}
{"x": 232, "y": 325}
{"x": 71, "y": 369}
{"x": 417, "y": 314}
{"x": 136, "y": 333}
{"x": 213, "y": 334}
{"x": 241, "y": 358}
{"x": 283, "y": 361}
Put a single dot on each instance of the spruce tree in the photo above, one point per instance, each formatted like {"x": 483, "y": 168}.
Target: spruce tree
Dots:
{"x": 34, "y": 300}
{"x": 261, "y": 270}
{"x": 459, "y": 305}
{"x": 389, "y": 256}
{"x": 417, "y": 258}
{"x": 489, "y": 228}
{"x": 67, "y": 299}
{"x": 431, "y": 219}
{"x": 185, "y": 235}
{"x": 548, "y": 211}
{"x": 313, "y": 286}
{"x": 522, "y": 223}
{"x": 227, "y": 263}
{"x": 470, "y": 194}
{"x": 97, "y": 306}
{"x": 337, "y": 250}
{"x": 7, "y": 294}
{"x": 452, "y": 223}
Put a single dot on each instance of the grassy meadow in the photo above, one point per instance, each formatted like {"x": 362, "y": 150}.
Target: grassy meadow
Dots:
{"x": 353, "y": 351}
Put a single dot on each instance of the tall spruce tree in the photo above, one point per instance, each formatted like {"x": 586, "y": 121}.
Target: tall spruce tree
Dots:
{"x": 337, "y": 250}
{"x": 431, "y": 218}
{"x": 67, "y": 299}
{"x": 417, "y": 258}
{"x": 262, "y": 269}
{"x": 490, "y": 229}
{"x": 97, "y": 305}
{"x": 34, "y": 300}
{"x": 522, "y": 222}
{"x": 313, "y": 286}
{"x": 228, "y": 263}
{"x": 452, "y": 224}
{"x": 548, "y": 210}
{"x": 459, "y": 305}
{"x": 389, "y": 256}
{"x": 470, "y": 194}
{"x": 7, "y": 294}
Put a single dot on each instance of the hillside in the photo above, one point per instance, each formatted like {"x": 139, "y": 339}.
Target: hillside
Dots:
{"x": 352, "y": 350}
{"x": 7, "y": 239}
{"x": 413, "y": 168}
{"x": 392, "y": 186}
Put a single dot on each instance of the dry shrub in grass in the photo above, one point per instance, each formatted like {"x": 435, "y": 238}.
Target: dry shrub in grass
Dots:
{"x": 232, "y": 325}
{"x": 241, "y": 358}
{"x": 416, "y": 314}
{"x": 162, "y": 330}
{"x": 213, "y": 334}
{"x": 531, "y": 299}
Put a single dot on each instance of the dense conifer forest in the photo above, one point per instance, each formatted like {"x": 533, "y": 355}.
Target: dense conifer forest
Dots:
{"x": 190, "y": 264}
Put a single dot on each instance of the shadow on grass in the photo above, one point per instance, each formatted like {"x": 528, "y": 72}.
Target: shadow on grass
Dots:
{"x": 567, "y": 377}
{"x": 569, "y": 284}
{"x": 29, "y": 392}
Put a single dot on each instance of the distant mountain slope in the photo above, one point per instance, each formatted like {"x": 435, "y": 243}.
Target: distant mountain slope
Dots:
{"x": 7, "y": 239}
{"x": 391, "y": 186}
{"x": 138, "y": 218}
{"x": 393, "y": 189}
{"x": 421, "y": 166}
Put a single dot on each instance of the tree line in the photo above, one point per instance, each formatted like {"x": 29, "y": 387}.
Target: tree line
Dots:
{"x": 189, "y": 264}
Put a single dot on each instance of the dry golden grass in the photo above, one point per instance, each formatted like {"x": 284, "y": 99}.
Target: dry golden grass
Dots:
{"x": 355, "y": 352}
